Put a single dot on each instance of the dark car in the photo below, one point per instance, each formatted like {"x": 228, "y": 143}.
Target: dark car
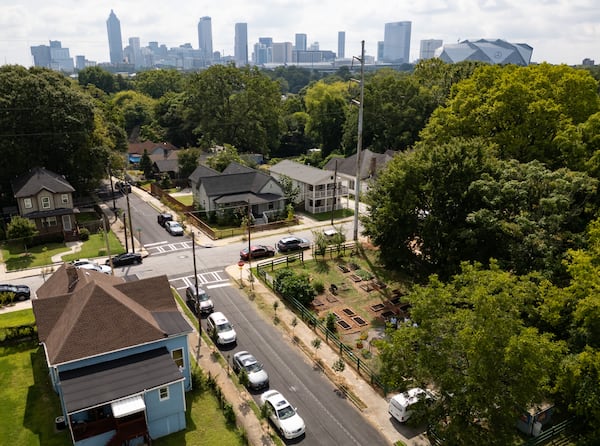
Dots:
{"x": 292, "y": 243}
{"x": 124, "y": 187}
{"x": 127, "y": 258}
{"x": 163, "y": 218}
{"x": 19, "y": 292}
{"x": 258, "y": 251}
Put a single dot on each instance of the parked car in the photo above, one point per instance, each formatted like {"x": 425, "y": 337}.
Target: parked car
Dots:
{"x": 257, "y": 377}
{"x": 127, "y": 258}
{"x": 258, "y": 252}
{"x": 292, "y": 243}
{"x": 174, "y": 227}
{"x": 124, "y": 187}
{"x": 163, "y": 218}
{"x": 19, "y": 292}
{"x": 96, "y": 267}
{"x": 220, "y": 329}
{"x": 90, "y": 264}
{"x": 283, "y": 415}
{"x": 400, "y": 405}
{"x": 199, "y": 298}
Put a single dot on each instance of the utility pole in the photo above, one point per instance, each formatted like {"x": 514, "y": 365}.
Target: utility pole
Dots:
{"x": 130, "y": 223}
{"x": 125, "y": 228}
{"x": 112, "y": 272}
{"x": 197, "y": 294}
{"x": 360, "y": 103}
{"x": 334, "y": 192}
{"x": 250, "y": 247}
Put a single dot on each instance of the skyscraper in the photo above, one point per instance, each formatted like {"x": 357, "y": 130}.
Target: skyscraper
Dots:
{"x": 240, "y": 49}
{"x": 428, "y": 47}
{"x": 205, "y": 43}
{"x": 396, "y": 42}
{"x": 300, "y": 42}
{"x": 341, "y": 45}
{"x": 115, "y": 41}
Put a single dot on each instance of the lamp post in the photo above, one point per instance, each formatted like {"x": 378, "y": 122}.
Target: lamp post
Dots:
{"x": 241, "y": 265}
{"x": 196, "y": 294}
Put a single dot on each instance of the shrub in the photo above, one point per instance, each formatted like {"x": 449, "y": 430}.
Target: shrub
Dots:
{"x": 318, "y": 286}
{"x": 84, "y": 234}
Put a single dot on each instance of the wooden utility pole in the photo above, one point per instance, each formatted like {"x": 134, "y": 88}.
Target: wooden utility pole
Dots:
{"x": 359, "y": 140}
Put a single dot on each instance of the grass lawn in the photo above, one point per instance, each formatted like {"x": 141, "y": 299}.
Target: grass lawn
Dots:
{"x": 338, "y": 213}
{"x": 96, "y": 247}
{"x": 17, "y": 318}
{"x": 16, "y": 257}
{"x": 186, "y": 200}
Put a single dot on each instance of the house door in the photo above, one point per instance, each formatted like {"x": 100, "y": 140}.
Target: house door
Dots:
{"x": 66, "y": 223}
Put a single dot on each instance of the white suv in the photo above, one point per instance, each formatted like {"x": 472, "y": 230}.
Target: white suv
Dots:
{"x": 220, "y": 329}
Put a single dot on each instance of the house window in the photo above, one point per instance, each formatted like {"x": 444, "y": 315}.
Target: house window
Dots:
{"x": 45, "y": 202}
{"x": 64, "y": 198}
{"x": 51, "y": 221}
{"x": 163, "y": 393}
{"x": 177, "y": 356}
{"x": 27, "y": 203}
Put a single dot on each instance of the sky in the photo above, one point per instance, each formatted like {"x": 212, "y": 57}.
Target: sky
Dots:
{"x": 560, "y": 31}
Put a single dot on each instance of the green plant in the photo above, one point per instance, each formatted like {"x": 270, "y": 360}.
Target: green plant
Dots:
{"x": 318, "y": 286}
{"x": 229, "y": 414}
{"x": 339, "y": 365}
{"x": 243, "y": 377}
{"x": 330, "y": 322}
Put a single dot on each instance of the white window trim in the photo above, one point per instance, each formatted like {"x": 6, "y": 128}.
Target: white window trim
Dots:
{"x": 64, "y": 198}
{"x": 175, "y": 360}
{"x": 52, "y": 222}
{"x": 160, "y": 393}
{"x": 27, "y": 203}
{"x": 44, "y": 201}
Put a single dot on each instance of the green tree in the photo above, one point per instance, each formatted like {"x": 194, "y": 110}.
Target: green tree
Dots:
{"x": 237, "y": 106}
{"x": 157, "y": 83}
{"x": 467, "y": 339}
{"x": 146, "y": 164}
{"x": 292, "y": 285}
{"x": 135, "y": 112}
{"x": 396, "y": 108}
{"x": 223, "y": 158}
{"x": 21, "y": 228}
{"x": 290, "y": 190}
{"x": 523, "y": 110}
{"x": 188, "y": 161}
{"x": 51, "y": 123}
{"x": 327, "y": 105}
{"x": 170, "y": 113}
{"x": 98, "y": 77}
{"x": 442, "y": 204}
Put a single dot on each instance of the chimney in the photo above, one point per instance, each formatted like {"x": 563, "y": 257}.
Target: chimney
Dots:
{"x": 72, "y": 277}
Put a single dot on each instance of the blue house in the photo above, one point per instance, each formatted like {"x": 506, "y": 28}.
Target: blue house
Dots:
{"x": 117, "y": 354}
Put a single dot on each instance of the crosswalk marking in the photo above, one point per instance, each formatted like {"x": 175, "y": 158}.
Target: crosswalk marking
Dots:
{"x": 210, "y": 279}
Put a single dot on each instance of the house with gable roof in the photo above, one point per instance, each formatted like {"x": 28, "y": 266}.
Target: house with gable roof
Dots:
{"x": 319, "y": 190}
{"x": 237, "y": 186}
{"x": 46, "y": 198}
{"x": 117, "y": 355}
{"x": 371, "y": 164}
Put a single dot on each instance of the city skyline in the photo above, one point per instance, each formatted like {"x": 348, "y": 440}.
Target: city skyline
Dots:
{"x": 559, "y": 31}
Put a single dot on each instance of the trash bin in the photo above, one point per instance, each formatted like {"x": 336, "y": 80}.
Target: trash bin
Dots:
{"x": 537, "y": 429}
{"x": 59, "y": 422}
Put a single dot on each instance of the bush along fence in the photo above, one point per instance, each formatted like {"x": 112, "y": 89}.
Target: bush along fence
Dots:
{"x": 18, "y": 333}
{"x": 263, "y": 271}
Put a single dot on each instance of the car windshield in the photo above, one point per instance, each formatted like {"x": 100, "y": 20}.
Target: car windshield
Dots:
{"x": 286, "y": 412}
{"x": 226, "y": 326}
{"x": 203, "y": 297}
{"x": 254, "y": 367}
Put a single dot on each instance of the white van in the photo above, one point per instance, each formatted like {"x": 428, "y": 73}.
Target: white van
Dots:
{"x": 220, "y": 329}
{"x": 400, "y": 404}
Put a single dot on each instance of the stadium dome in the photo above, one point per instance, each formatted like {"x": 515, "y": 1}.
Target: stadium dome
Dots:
{"x": 490, "y": 51}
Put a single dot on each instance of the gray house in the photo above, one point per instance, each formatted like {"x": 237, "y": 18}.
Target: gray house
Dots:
{"x": 370, "y": 165}
{"x": 46, "y": 198}
{"x": 237, "y": 186}
{"x": 318, "y": 190}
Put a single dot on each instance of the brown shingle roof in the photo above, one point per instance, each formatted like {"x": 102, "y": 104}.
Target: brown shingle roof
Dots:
{"x": 100, "y": 316}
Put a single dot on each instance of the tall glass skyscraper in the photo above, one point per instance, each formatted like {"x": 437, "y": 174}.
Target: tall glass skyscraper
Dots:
{"x": 115, "y": 42}
{"x": 396, "y": 42}
{"x": 240, "y": 48}
{"x": 341, "y": 45}
{"x": 205, "y": 43}
{"x": 300, "y": 42}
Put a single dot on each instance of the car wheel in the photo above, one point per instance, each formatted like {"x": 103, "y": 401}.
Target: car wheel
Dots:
{"x": 20, "y": 297}
{"x": 137, "y": 262}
